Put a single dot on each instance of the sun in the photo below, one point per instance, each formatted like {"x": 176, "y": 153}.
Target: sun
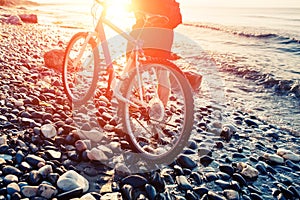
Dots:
{"x": 119, "y": 11}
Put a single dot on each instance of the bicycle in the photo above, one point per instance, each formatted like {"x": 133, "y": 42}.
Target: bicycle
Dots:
{"x": 158, "y": 125}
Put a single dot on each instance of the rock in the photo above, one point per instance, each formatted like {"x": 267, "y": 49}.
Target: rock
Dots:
{"x": 206, "y": 160}
{"x": 122, "y": 170}
{"x": 54, "y": 59}
{"x": 191, "y": 195}
{"x": 183, "y": 183}
{"x": 223, "y": 184}
{"x": 10, "y": 178}
{"x": 247, "y": 171}
{"x": 127, "y": 191}
{"x": 226, "y": 169}
{"x": 5, "y": 157}
{"x": 226, "y": 134}
{"x": 194, "y": 79}
{"x": 288, "y": 155}
{"x": 214, "y": 196}
{"x": 48, "y": 130}
{"x": 240, "y": 179}
{"x": 196, "y": 177}
{"x": 29, "y": 191}
{"x": 12, "y": 188}
{"x": 97, "y": 155}
{"x": 14, "y": 20}
{"x": 211, "y": 176}
{"x": 3, "y": 138}
{"x": 29, "y": 18}
{"x": 72, "y": 180}
{"x": 113, "y": 195}
{"x": 185, "y": 162}
{"x": 273, "y": 158}
{"x": 47, "y": 191}
{"x": 53, "y": 154}
{"x": 45, "y": 171}
{"x": 158, "y": 182}
{"x": 11, "y": 170}
{"x": 231, "y": 195}
{"x": 35, "y": 178}
{"x": 252, "y": 122}
{"x": 19, "y": 156}
{"x": 260, "y": 166}
{"x": 80, "y": 145}
{"x": 135, "y": 181}
{"x": 93, "y": 135}
{"x": 24, "y": 166}
{"x": 201, "y": 190}
{"x": 88, "y": 196}
{"x": 70, "y": 194}
{"x": 151, "y": 191}
{"x": 34, "y": 160}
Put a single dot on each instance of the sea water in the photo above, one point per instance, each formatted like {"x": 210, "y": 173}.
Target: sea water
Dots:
{"x": 256, "y": 51}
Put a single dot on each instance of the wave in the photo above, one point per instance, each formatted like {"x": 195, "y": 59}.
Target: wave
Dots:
{"x": 279, "y": 86}
{"x": 281, "y": 39}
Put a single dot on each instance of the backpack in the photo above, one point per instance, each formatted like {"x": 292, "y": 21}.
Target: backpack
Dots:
{"x": 169, "y": 8}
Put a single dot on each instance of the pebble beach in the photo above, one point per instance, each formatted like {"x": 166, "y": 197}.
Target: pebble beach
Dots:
{"x": 232, "y": 154}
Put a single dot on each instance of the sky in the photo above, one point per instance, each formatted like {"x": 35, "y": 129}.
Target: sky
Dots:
{"x": 244, "y": 3}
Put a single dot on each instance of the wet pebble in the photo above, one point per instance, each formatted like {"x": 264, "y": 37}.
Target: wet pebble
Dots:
{"x": 206, "y": 160}
{"x": 186, "y": 162}
{"x": 183, "y": 183}
{"x": 135, "y": 181}
{"x": 226, "y": 169}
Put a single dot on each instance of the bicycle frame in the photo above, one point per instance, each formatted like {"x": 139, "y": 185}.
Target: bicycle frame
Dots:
{"x": 99, "y": 32}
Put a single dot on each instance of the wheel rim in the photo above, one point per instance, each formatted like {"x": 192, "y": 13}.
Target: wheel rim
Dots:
{"x": 154, "y": 135}
{"x": 79, "y": 73}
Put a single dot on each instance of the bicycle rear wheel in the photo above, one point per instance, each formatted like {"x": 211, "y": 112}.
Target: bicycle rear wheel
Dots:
{"x": 80, "y": 70}
{"x": 160, "y": 127}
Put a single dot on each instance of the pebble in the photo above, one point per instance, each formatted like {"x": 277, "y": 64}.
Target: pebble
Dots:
{"x": 135, "y": 181}
{"x": 48, "y": 131}
{"x": 29, "y": 191}
{"x": 183, "y": 183}
{"x": 231, "y": 195}
{"x": 72, "y": 180}
{"x": 12, "y": 188}
{"x": 46, "y": 191}
{"x": 45, "y": 171}
{"x": 186, "y": 162}
{"x": 211, "y": 176}
{"x": 10, "y": 178}
{"x": 53, "y": 154}
{"x": 226, "y": 169}
{"x": 240, "y": 179}
{"x": 247, "y": 171}
{"x": 97, "y": 155}
{"x": 287, "y": 154}
{"x": 151, "y": 191}
{"x": 223, "y": 184}
{"x": 34, "y": 160}
{"x": 11, "y": 170}
{"x": 273, "y": 158}
{"x": 206, "y": 160}
{"x": 214, "y": 196}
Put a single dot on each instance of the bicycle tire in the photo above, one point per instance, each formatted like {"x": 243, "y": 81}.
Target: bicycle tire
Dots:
{"x": 88, "y": 87}
{"x": 186, "y": 129}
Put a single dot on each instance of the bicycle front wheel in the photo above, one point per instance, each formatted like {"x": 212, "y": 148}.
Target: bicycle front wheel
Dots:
{"x": 80, "y": 70}
{"x": 160, "y": 126}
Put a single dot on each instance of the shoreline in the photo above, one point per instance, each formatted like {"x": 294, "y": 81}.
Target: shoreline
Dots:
{"x": 232, "y": 153}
